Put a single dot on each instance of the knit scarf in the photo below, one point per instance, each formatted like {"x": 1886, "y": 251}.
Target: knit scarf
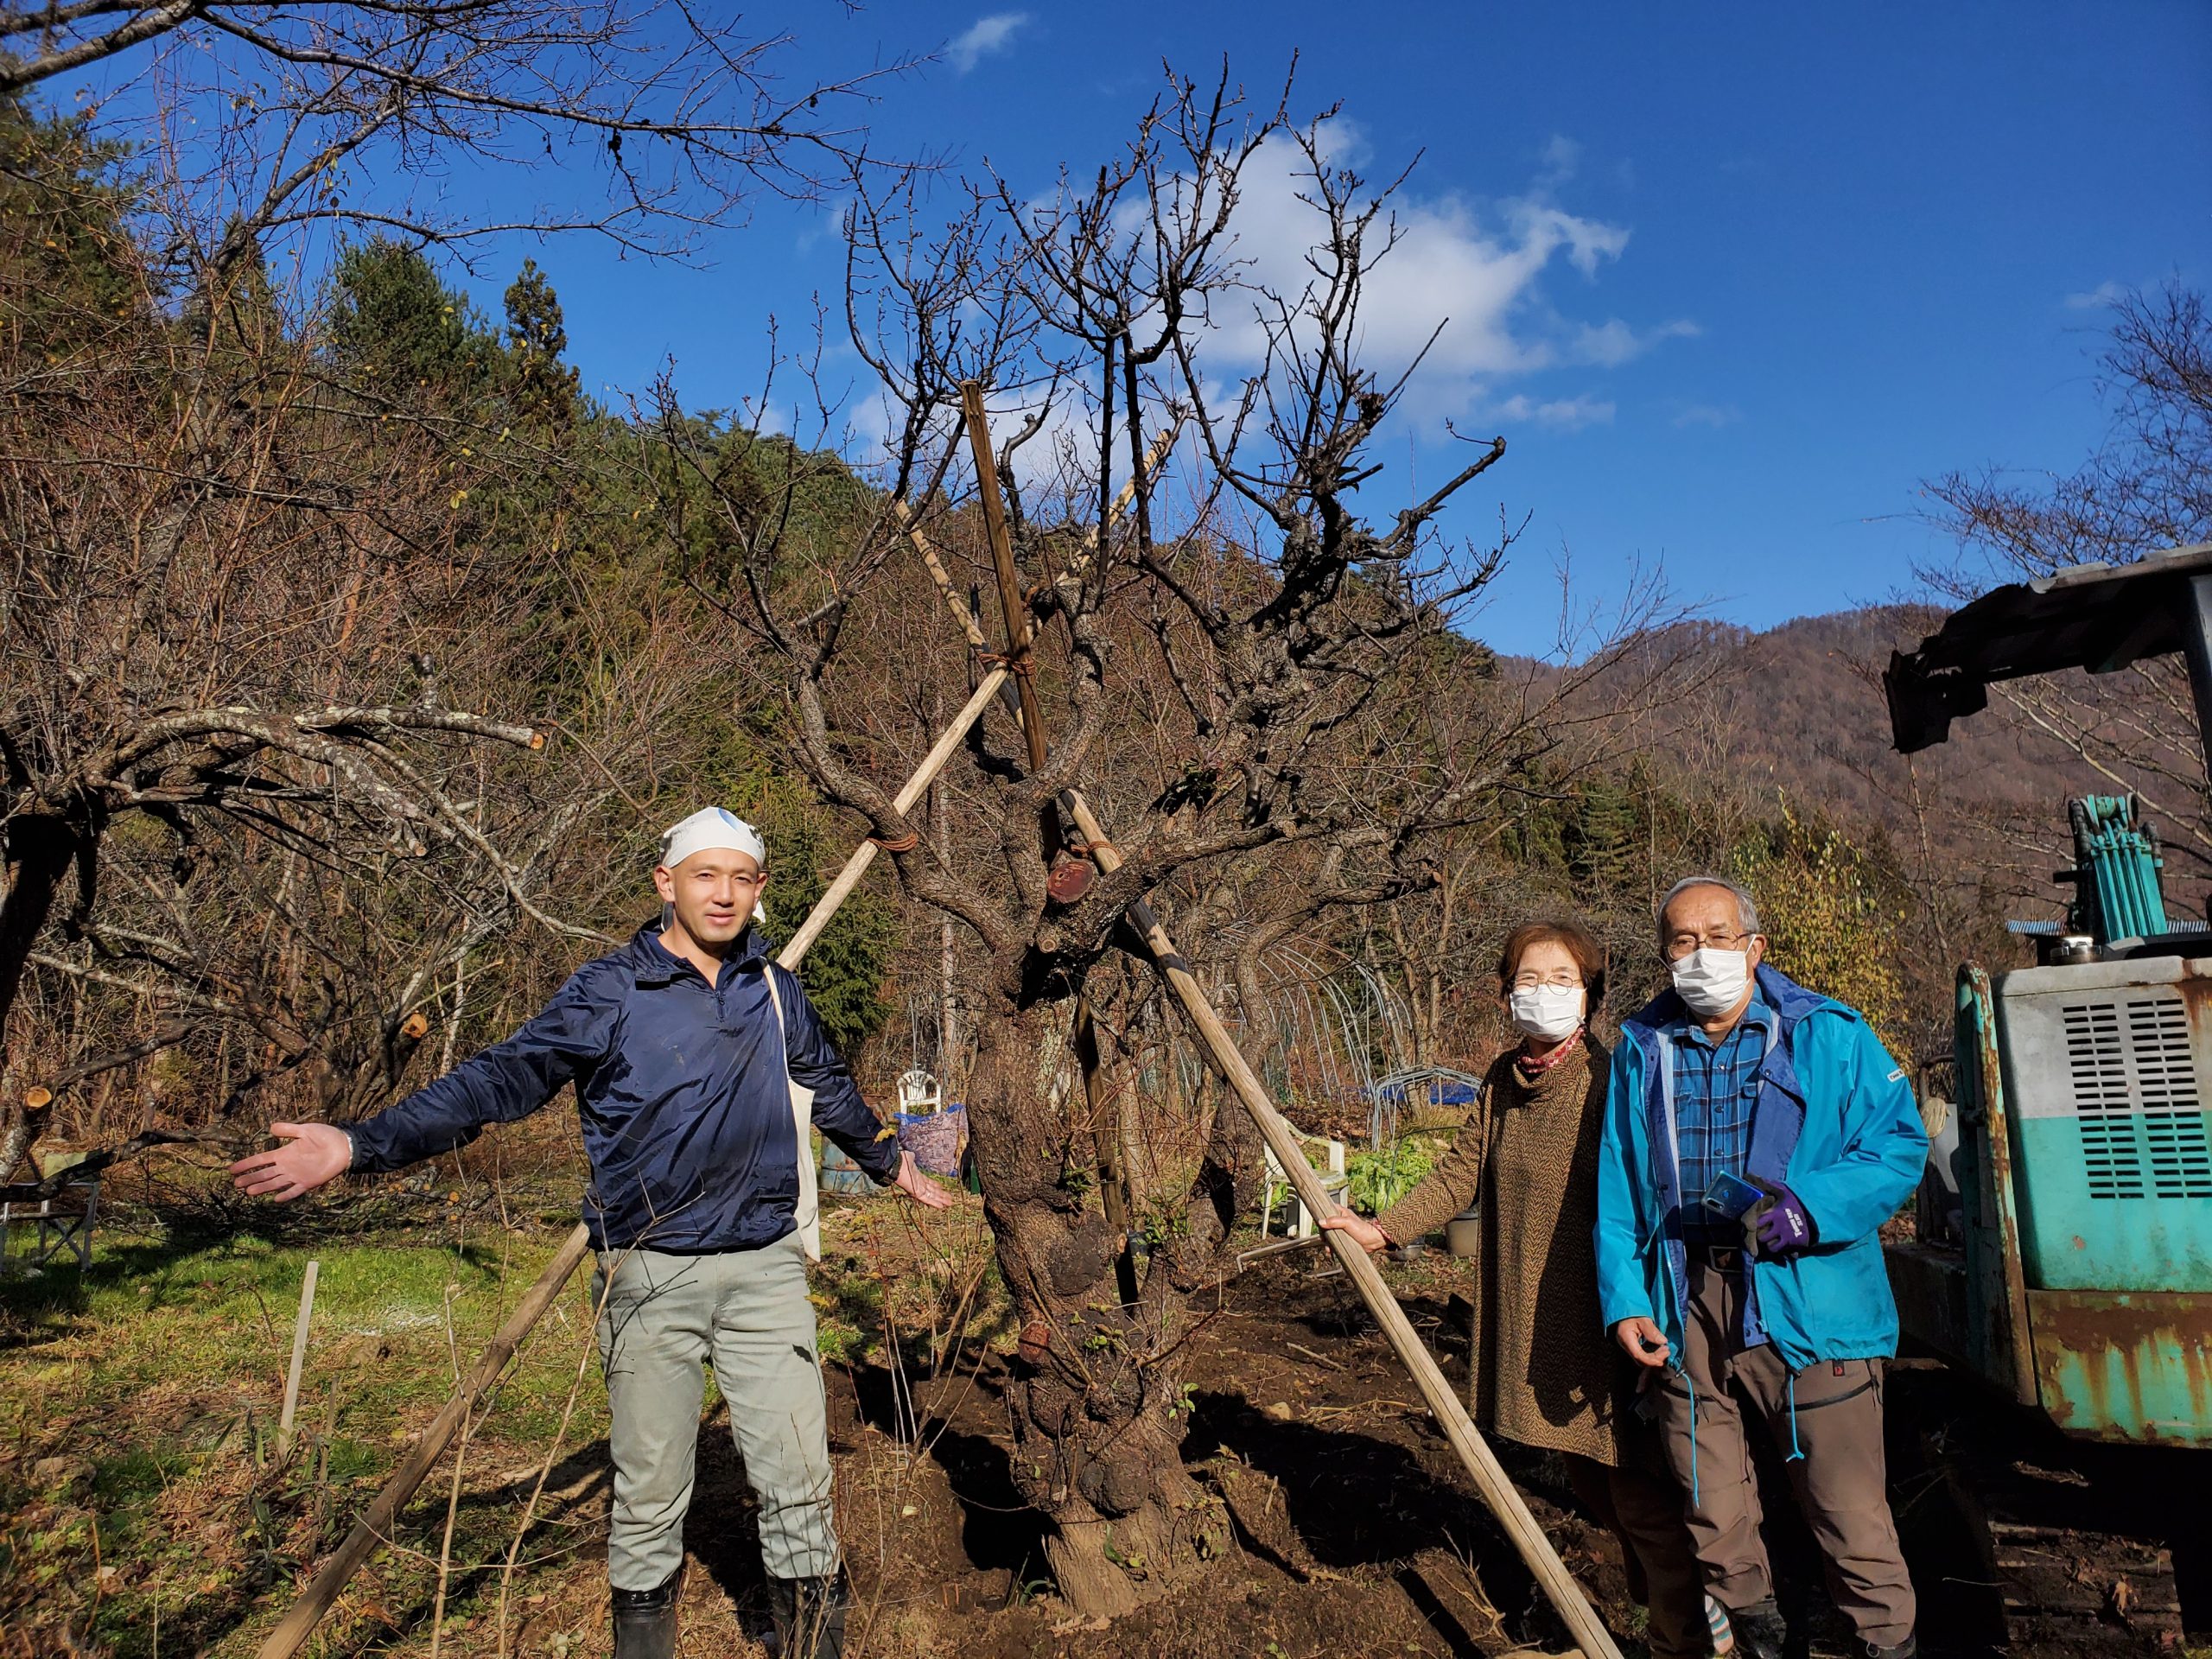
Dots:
{"x": 1531, "y": 1070}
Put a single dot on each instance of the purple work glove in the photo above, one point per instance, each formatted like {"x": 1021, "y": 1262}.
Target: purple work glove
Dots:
{"x": 1782, "y": 1226}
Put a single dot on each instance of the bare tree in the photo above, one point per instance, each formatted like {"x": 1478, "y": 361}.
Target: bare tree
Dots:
{"x": 268, "y": 118}
{"x": 2148, "y": 487}
{"x": 1247, "y": 672}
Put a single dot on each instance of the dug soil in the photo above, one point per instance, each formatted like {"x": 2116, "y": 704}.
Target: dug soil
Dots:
{"x": 1341, "y": 1522}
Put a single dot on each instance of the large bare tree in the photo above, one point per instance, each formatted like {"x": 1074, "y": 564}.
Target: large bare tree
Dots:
{"x": 1244, "y": 668}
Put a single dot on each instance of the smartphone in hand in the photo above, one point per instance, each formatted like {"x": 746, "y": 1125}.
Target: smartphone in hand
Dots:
{"x": 1730, "y": 1196}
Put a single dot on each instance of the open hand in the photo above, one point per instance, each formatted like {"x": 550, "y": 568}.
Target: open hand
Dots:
{"x": 919, "y": 1187}
{"x": 1362, "y": 1232}
{"x": 313, "y": 1153}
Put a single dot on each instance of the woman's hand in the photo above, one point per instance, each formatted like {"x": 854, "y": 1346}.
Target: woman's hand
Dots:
{"x": 919, "y": 1187}
{"x": 1364, "y": 1233}
{"x": 313, "y": 1153}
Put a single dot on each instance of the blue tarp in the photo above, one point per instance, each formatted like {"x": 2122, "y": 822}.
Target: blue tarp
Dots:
{"x": 1439, "y": 1091}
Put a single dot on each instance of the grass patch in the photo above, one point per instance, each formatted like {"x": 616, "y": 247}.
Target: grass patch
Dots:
{"x": 140, "y": 1399}
{"x": 140, "y": 1479}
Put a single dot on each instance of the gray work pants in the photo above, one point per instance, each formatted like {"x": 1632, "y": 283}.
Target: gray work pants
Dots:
{"x": 663, "y": 1319}
{"x": 1840, "y": 1479}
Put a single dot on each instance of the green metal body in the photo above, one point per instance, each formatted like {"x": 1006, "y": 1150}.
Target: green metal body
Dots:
{"x": 2084, "y": 1285}
{"x": 2117, "y": 894}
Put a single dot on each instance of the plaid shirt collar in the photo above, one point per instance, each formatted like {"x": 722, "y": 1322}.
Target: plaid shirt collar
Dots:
{"x": 1758, "y": 1015}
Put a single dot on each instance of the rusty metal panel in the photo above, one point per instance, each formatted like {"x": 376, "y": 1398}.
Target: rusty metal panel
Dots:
{"x": 1929, "y": 1284}
{"x": 2107, "y": 1069}
{"x": 2114, "y": 1365}
{"x": 1997, "y": 1307}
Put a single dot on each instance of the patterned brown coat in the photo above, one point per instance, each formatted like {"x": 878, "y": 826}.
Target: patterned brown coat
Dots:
{"x": 1542, "y": 1371}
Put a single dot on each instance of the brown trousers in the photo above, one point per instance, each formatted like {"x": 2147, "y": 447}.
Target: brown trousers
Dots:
{"x": 1841, "y": 1479}
{"x": 1639, "y": 1503}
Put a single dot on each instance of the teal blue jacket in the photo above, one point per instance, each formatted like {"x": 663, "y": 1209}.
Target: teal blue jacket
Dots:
{"x": 1834, "y": 1122}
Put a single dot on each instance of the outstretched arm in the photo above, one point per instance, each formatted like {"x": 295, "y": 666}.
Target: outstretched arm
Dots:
{"x": 839, "y": 1110}
{"x": 507, "y": 1080}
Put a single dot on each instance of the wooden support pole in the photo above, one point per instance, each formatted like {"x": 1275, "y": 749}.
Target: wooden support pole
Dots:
{"x": 916, "y": 787}
{"x": 1017, "y": 631}
{"x": 1491, "y": 1483}
{"x": 375, "y": 1526}
{"x": 299, "y": 1358}
{"x": 1496, "y": 1489}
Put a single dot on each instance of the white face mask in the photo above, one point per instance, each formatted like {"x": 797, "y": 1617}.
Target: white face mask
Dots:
{"x": 1550, "y": 1014}
{"x": 1713, "y": 982}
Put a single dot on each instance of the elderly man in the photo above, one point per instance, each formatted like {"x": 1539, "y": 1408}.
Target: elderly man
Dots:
{"x": 1757, "y": 1136}
{"x": 697, "y": 1064}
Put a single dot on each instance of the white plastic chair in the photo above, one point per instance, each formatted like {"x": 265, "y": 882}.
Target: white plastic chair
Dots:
{"x": 1276, "y": 1186}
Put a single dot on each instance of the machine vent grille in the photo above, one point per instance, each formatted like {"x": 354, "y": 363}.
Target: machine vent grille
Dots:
{"x": 2135, "y": 1088}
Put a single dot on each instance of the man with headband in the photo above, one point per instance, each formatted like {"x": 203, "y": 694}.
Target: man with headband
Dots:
{"x": 697, "y": 1064}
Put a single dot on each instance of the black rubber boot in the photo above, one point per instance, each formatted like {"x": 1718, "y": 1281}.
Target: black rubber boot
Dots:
{"x": 1905, "y": 1649}
{"x": 645, "y": 1620}
{"x": 1761, "y": 1631}
{"x": 809, "y": 1616}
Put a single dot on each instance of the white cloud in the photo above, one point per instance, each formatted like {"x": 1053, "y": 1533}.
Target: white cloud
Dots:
{"x": 1713, "y": 415}
{"x": 986, "y": 37}
{"x": 1561, "y": 414}
{"x": 1612, "y": 343}
{"x": 1477, "y": 265}
{"x": 1561, "y": 157}
{"x": 2096, "y": 299}
{"x": 1472, "y": 265}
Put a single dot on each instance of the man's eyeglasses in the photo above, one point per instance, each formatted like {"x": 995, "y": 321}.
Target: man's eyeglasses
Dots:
{"x": 1680, "y": 944}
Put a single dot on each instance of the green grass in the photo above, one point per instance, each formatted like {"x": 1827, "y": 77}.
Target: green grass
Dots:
{"x": 157, "y": 1376}
{"x": 155, "y": 1379}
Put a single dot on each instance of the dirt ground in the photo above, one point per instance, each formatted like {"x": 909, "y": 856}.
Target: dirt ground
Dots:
{"x": 142, "y": 1511}
{"x": 1343, "y": 1525}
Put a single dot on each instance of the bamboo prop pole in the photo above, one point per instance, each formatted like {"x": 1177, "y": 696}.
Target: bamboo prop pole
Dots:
{"x": 375, "y": 1526}
{"x": 1491, "y": 1483}
{"x": 299, "y": 1358}
{"x": 916, "y": 787}
{"x": 1017, "y": 631}
{"x": 935, "y": 563}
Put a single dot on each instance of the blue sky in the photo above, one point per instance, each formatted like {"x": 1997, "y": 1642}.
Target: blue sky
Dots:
{"x": 1730, "y": 279}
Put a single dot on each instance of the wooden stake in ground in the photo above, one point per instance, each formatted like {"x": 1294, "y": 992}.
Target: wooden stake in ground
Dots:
{"x": 299, "y": 1358}
{"x": 1496, "y": 1489}
{"x": 375, "y": 1526}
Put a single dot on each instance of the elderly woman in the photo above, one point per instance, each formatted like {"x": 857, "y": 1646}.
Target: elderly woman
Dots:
{"x": 1541, "y": 1368}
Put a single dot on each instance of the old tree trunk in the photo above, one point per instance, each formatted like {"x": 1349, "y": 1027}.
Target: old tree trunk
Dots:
{"x": 1097, "y": 1400}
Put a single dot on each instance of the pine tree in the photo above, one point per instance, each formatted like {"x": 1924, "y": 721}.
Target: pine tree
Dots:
{"x": 397, "y": 326}
{"x": 543, "y": 389}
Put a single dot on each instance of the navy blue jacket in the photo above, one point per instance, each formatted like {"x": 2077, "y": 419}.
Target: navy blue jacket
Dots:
{"x": 687, "y": 1120}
